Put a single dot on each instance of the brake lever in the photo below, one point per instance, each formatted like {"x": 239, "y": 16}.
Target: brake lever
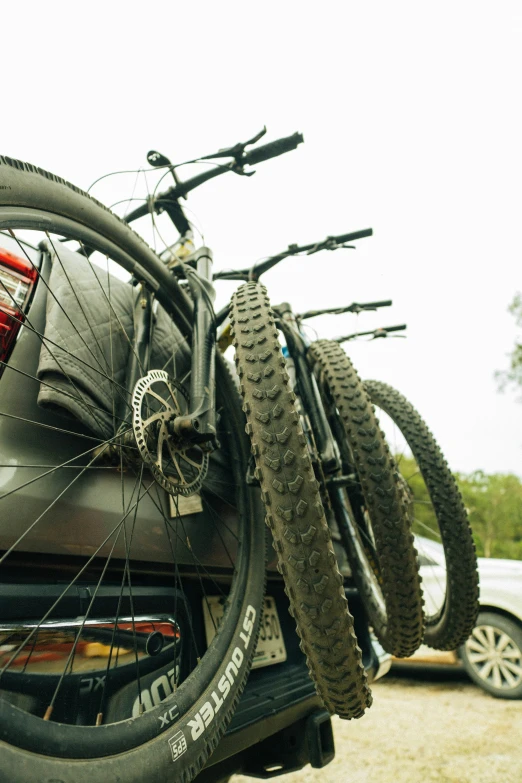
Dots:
{"x": 329, "y": 244}
{"x": 237, "y": 150}
{"x": 256, "y": 138}
{"x": 316, "y": 248}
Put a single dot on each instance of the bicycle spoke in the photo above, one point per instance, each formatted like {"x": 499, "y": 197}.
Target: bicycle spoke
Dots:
{"x": 49, "y": 427}
{"x": 31, "y": 481}
{"x": 426, "y": 527}
{"x": 69, "y": 664}
{"x": 129, "y": 582}
{"x": 82, "y": 570}
{"x": 102, "y": 446}
{"x": 177, "y": 576}
{"x": 52, "y": 294}
{"x": 137, "y": 484}
{"x": 47, "y": 341}
{"x": 60, "y": 391}
{"x": 124, "y": 332}
{"x": 184, "y": 540}
{"x": 73, "y": 289}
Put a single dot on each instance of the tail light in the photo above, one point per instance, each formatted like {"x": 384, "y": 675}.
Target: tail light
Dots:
{"x": 17, "y": 278}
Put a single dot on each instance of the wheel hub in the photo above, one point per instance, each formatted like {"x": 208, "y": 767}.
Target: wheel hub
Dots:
{"x": 179, "y": 467}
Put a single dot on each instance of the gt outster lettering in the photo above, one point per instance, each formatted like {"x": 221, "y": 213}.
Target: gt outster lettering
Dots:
{"x": 210, "y": 708}
{"x": 248, "y": 626}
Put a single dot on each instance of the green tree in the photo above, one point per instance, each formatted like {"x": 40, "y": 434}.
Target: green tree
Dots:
{"x": 513, "y": 376}
{"x": 493, "y": 503}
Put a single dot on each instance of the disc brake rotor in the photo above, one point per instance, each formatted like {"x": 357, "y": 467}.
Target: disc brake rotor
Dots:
{"x": 177, "y": 466}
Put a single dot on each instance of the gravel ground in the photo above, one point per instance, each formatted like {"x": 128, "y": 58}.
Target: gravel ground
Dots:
{"x": 440, "y": 729}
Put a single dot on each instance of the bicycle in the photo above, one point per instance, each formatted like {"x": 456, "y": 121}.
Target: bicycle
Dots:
{"x": 147, "y": 598}
{"x": 436, "y": 509}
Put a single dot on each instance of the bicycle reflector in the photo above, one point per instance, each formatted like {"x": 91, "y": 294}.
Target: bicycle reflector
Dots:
{"x": 17, "y": 278}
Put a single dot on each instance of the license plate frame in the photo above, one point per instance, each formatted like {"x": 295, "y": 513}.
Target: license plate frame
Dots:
{"x": 270, "y": 648}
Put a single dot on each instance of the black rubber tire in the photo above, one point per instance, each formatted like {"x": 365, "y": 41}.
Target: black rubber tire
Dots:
{"x": 44, "y": 198}
{"x": 294, "y": 511}
{"x": 398, "y": 621}
{"x": 500, "y": 624}
{"x": 451, "y": 626}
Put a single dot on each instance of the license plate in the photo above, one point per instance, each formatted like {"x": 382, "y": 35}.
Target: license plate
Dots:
{"x": 271, "y": 645}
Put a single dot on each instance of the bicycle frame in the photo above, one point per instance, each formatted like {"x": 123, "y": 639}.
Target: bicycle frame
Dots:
{"x": 297, "y": 344}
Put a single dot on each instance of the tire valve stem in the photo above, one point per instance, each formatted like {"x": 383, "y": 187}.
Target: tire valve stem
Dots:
{"x": 48, "y": 712}
{"x": 99, "y": 718}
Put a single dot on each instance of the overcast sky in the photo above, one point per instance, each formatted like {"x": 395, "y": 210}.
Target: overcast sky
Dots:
{"x": 413, "y": 126}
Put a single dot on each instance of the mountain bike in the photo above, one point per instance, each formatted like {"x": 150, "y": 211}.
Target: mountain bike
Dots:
{"x": 437, "y": 512}
{"x": 131, "y": 547}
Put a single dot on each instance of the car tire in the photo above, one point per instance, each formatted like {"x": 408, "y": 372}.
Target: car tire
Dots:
{"x": 492, "y": 656}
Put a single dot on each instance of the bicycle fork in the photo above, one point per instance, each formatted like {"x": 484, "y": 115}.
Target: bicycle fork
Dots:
{"x": 199, "y": 424}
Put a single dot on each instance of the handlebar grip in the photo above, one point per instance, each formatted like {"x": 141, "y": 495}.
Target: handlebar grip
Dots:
{"x": 398, "y": 328}
{"x": 272, "y": 150}
{"x": 373, "y": 305}
{"x": 231, "y": 274}
{"x": 366, "y": 232}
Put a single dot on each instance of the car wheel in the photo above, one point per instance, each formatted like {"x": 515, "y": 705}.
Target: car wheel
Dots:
{"x": 492, "y": 656}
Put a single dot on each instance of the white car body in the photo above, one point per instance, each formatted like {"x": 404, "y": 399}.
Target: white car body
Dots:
{"x": 500, "y": 580}
{"x": 500, "y": 589}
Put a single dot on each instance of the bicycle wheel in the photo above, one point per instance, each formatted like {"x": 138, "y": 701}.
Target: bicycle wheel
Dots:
{"x": 439, "y": 521}
{"x": 128, "y": 615}
{"x": 294, "y": 511}
{"x": 369, "y": 511}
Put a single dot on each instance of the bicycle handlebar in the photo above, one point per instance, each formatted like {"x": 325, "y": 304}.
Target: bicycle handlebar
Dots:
{"x": 399, "y": 328}
{"x": 330, "y": 243}
{"x": 381, "y": 332}
{"x": 273, "y": 149}
{"x": 164, "y": 201}
{"x": 374, "y": 305}
{"x": 355, "y": 307}
{"x": 340, "y": 240}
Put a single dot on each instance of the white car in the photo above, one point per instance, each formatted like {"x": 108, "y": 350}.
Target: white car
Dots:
{"x": 492, "y": 656}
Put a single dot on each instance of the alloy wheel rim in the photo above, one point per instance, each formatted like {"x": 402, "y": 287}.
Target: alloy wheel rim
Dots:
{"x": 495, "y": 657}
